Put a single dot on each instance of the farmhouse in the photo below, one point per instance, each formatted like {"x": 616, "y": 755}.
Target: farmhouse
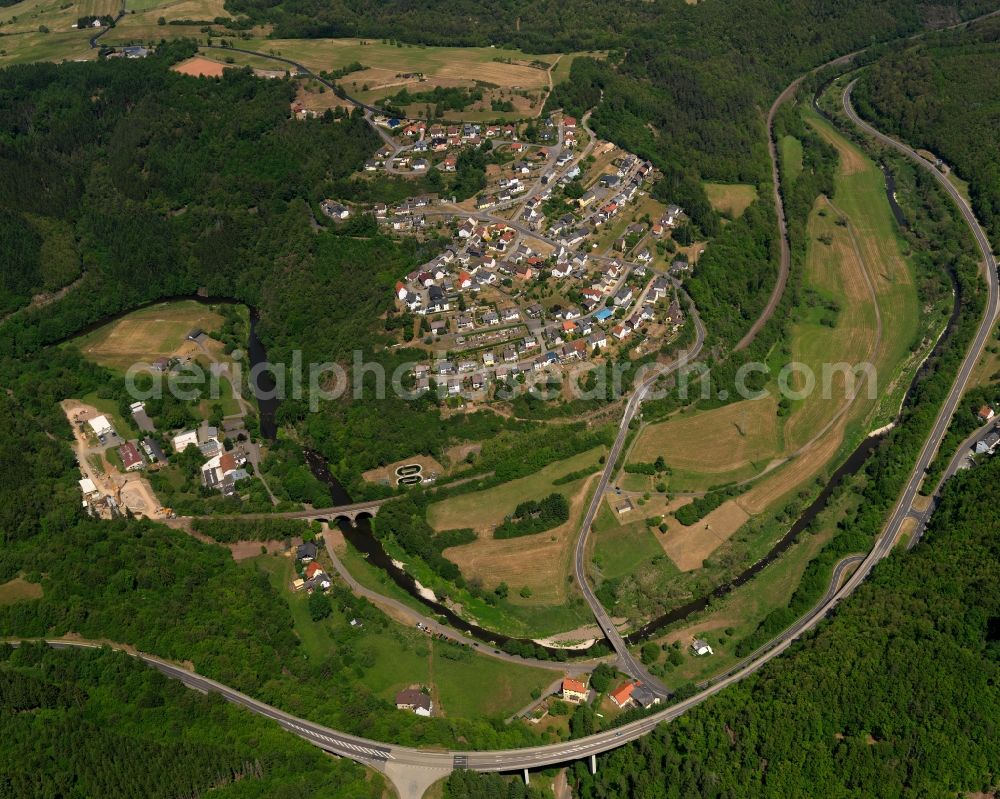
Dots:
{"x": 417, "y": 701}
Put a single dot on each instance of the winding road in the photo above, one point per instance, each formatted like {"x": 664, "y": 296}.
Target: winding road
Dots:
{"x": 627, "y": 661}
{"x": 413, "y": 770}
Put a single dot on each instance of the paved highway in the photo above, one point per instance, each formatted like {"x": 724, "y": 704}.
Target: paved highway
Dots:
{"x": 427, "y": 765}
{"x": 387, "y": 756}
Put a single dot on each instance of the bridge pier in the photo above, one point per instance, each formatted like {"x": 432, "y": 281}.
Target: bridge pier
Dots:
{"x": 593, "y": 764}
{"x": 527, "y": 777}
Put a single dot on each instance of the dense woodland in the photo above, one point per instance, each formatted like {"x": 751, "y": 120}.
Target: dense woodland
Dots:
{"x": 82, "y": 723}
{"x": 944, "y": 94}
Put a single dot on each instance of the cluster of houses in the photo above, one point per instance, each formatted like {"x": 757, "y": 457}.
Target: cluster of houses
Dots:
{"x": 221, "y": 470}
{"x": 312, "y": 576}
{"x": 135, "y": 455}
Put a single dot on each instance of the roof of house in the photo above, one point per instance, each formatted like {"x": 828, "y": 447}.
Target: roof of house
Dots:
{"x": 644, "y": 696}
{"x": 623, "y": 693}
{"x": 411, "y": 697}
{"x": 306, "y": 550}
{"x": 313, "y": 569}
{"x": 575, "y": 686}
{"x": 129, "y": 454}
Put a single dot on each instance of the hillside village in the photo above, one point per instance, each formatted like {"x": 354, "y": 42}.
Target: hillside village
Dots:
{"x": 563, "y": 258}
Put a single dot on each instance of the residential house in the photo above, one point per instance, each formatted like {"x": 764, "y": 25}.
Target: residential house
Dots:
{"x": 306, "y": 552}
{"x": 574, "y": 690}
{"x": 414, "y": 700}
{"x": 131, "y": 459}
{"x": 644, "y": 697}
{"x": 622, "y": 695}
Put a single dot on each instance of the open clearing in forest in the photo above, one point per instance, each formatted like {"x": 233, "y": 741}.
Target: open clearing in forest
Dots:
{"x": 790, "y": 153}
{"x": 198, "y": 67}
{"x": 145, "y": 335}
{"x": 17, "y": 590}
{"x": 730, "y": 199}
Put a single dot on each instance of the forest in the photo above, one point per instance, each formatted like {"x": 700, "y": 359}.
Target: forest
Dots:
{"x": 100, "y": 723}
{"x": 943, "y": 94}
{"x": 896, "y": 695}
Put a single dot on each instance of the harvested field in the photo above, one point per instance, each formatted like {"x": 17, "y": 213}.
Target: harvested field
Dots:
{"x": 539, "y": 562}
{"x": 734, "y": 439}
{"x": 688, "y": 547}
{"x": 199, "y": 67}
{"x": 483, "y": 510}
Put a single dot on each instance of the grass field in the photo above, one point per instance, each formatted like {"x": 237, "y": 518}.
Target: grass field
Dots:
{"x": 790, "y": 153}
{"x": 713, "y": 447}
{"x": 17, "y": 590}
{"x": 730, "y": 199}
{"x": 617, "y": 549}
{"x": 401, "y": 657}
{"x": 539, "y": 562}
{"x": 148, "y": 334}
{"x": 859, "y": 304}
{"x": 483, "y": 510}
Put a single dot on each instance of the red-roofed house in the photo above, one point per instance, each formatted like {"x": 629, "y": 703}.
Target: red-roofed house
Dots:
{"x": 131, "y": 459}
{"x": 313, "y": 569}
{"x": 464, "y": 280}
{"x": 986, "y": 413}
{"x": 569, "y": 122}
{"x": 622, "y": 695}
{"x": 574, "y": 690}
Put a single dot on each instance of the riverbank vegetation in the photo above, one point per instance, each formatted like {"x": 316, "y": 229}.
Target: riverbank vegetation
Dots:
{"x": 942, "y": 95}
{"x": 942, "y": 249}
